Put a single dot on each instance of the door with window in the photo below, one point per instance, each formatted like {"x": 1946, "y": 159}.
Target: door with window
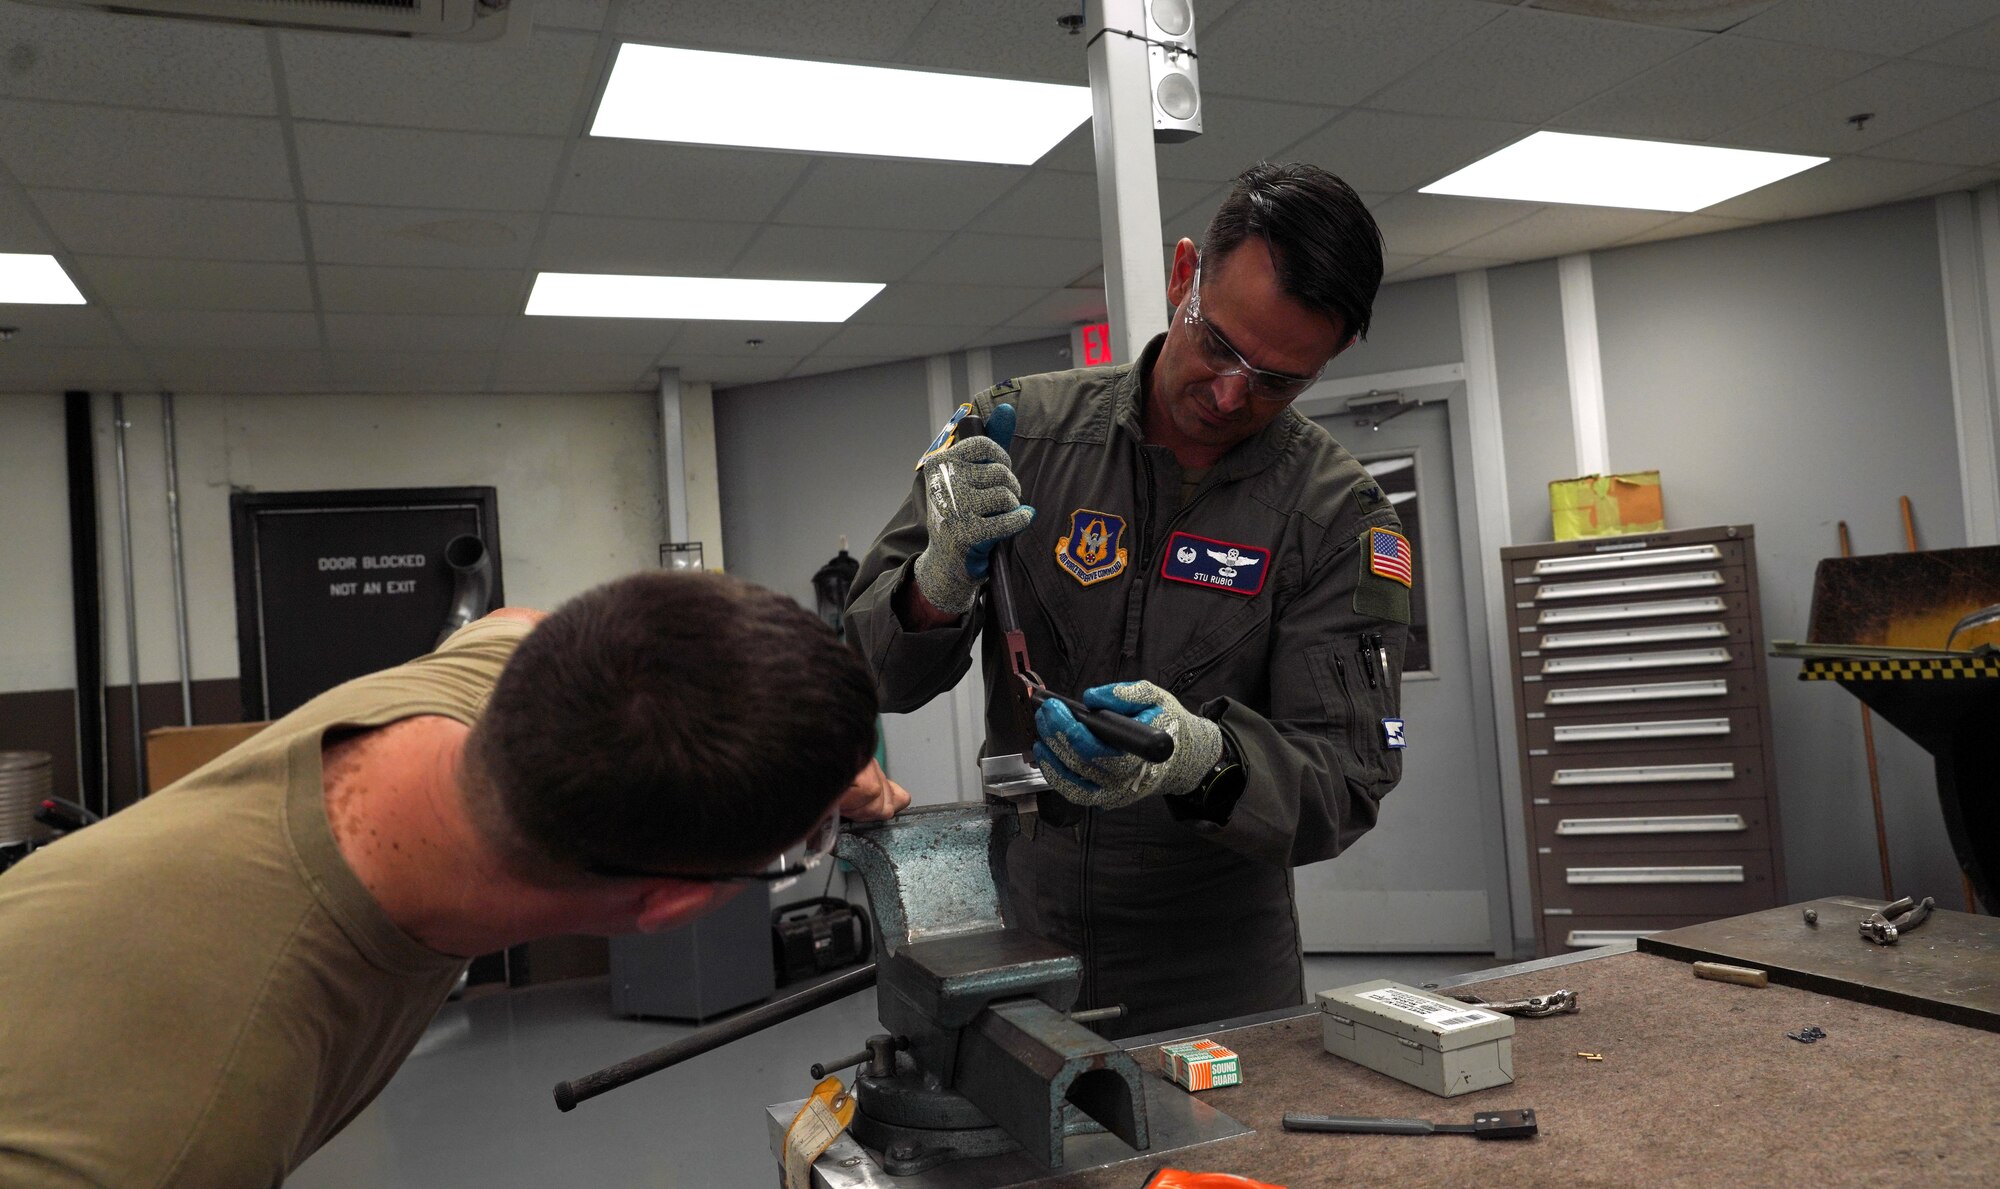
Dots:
{"x": 1418, "y": 881}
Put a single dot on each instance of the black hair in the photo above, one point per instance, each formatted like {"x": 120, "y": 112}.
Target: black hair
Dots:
{"x": 1324, "y": 243}
{"x": 671, "y": 721}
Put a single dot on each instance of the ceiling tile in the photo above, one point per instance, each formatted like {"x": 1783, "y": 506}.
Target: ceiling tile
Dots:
{"x": 264, "y": 372}
{"x": 1001, "y": 336}
{"x": 25, "y": 368}
{"x": 1386, "y": 152}
{"x": 820, "y": 365}
{"x": 657, "y": 181}
{"x": 409, "y": 167}
{"x": 233, "y": 330}
{"x": 115, "y": 148}
{"x": 1062, "y": 309}
{"x": 875, "y": 29}
{"x": 794, "y": 339}
{"x": 1187, "y": 205}
{"x": 570, "y": 14}
{"x": 1532, "y": 66}
{"x": 904, "y": 342}
{"x": 1903, "y": 97}
{"x": 1018, "y": 39}
{"x": 594, "y": 243}
{"x": 45, "y": 326}
{"x": 1238, "y": 132}
{"x": 1684, "y": 226}
{"x": 536, "y": 83}
{"x": 1978, "y": 46}
{"x": 869, "y": 192}
{"x": 138, "y": 62}
{"x": 1717, "y": 85}
{"x": 1426, "y": 224}
{"x": 725, "y": 370}
{"x": 365, "y": 288}
{"x": 1971, "y": 179}
{"x": 1438, "y": 266}
{"x": 1047, "y": 203}
{"x": 1706, "y": 16}
{"x": 1560, "y": 230}
{"x": 1972, "y": 138}
{"x": 573, "y": 371}
{"x": 20, "y": 227}
{"x": 1336, "y": 54}
{"x": 1010, "y": 260}
{"x": 414, "y": 332}
{"x": 1845, "y": 183}
{"x": 410, "y": 371}
{"x": 618, "y": 335}
{"x": 405, "y": 236}
{"x": 1889, "y": 27}
{"x": 157, "y": 225}
{"x": 195, "y": 284}
{"x": 912, "y": 304}
{"x": 835, "y": 253}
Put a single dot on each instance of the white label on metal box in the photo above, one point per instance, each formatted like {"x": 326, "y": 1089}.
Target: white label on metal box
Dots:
{"x": 1454, "y": 1015}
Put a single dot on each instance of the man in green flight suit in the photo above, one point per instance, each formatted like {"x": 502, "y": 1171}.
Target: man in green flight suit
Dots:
{"x": 1200, "y": 557}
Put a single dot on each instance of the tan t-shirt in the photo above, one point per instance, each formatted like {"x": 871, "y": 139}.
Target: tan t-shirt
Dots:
{"x": 198, "y": 991}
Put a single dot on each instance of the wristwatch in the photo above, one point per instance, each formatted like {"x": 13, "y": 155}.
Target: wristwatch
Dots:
{"x": 1214, "y": 799}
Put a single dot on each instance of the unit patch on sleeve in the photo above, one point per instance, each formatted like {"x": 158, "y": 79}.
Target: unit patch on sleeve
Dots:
{"x": 1094, "y": 548}
{"x": 1387, "y": 568}
{"x": 944, "y": 436}
{"x": 1218, "y": 565}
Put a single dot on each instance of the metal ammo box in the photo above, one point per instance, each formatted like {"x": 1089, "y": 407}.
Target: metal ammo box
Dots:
{"x": 1431, "y": 1042}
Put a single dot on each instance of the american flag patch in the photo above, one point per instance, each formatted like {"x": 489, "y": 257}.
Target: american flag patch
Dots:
{"x": 1389, "y": 554}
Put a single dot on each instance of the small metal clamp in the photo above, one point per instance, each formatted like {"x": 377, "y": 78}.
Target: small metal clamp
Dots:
{"x": 1555, "y": 1003}
{"x": 1808, "y": 1034}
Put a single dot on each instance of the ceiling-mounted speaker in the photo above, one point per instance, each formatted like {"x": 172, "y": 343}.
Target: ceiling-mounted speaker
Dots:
{"x": 1171, "y": 69}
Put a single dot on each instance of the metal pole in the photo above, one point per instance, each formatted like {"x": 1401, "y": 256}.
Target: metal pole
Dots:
{"x": 1128, "y": 185}
{"x": 118, "y": 427}
{"x": 180, "y": 570}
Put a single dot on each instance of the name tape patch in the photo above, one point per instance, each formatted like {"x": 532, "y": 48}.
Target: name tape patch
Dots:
{"x": 1217, "y": 565}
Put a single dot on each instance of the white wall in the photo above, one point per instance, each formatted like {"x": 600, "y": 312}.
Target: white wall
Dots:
{"x": 577, "y": 479}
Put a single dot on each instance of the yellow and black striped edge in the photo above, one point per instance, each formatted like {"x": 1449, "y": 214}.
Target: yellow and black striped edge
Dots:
{"x": 1926, "y": 669}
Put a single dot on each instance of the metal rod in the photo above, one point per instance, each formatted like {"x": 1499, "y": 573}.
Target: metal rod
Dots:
{"x": 180, "y": 570}
{"x": 1874, "y": 771}
{"x": 590, "y": 1085}
{"x": 118, "y": 426}
{"x": 87, "y": 599}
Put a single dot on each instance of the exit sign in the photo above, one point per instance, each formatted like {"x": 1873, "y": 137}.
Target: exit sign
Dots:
{"x": 1096, "y": 344}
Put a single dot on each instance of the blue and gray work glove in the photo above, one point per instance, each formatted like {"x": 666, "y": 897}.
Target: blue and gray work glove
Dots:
{"x": 972, "y": 502}
{"x": 1085, "y": 771}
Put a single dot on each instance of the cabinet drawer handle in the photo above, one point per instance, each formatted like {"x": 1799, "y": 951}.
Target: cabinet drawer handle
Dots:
{"x": 1628, "y": 559}
{"x": 1732, "y": 873}
{"x": 1644, "y": 692}
{"x": 1648, "y": 774}
{"x": 1647, "y": 584}
{"x": 1558, "y": 666}
{"x": 1614, "y": 637}
{"x": 1585, "y": 939}
{"x": 1678, "y": 728}
{"x": 1689, "y": 823}
{"x": 1651, "y": 609}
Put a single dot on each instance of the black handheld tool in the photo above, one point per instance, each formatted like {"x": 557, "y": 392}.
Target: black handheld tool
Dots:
{"x": 1486, "y": 1125}
{"x": 1116, "y": 730}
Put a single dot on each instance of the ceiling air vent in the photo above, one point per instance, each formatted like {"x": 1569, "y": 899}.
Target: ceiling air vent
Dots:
{"x": 455, "y": 20}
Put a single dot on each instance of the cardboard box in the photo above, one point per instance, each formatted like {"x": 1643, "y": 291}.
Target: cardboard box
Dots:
{"x": 173, "y": 752}
{"x": 1200, "y": 1065}
{"x": 1427, "y": 1040}
{"x": 1607, "y": 505}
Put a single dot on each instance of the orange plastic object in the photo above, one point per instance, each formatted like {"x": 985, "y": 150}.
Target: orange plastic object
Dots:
{"x": 1174, "y": 1178}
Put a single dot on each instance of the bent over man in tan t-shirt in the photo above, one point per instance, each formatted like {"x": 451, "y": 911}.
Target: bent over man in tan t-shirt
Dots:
{"x": 206, "y": 987}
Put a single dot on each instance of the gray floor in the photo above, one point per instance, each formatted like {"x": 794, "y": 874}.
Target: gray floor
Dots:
{"x": 472, "y": 1106}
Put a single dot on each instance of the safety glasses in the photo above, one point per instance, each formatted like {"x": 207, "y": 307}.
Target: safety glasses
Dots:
{"x": 798, "y": 859}
{"x": 1219, "y": 358}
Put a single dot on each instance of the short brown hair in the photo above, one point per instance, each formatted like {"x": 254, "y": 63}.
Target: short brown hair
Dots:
{"x": 668, "y": 720}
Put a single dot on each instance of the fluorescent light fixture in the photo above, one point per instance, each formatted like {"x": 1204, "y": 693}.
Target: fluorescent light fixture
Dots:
{"x": 608, "y": 295}
{"x": 658, "y": 92}
{"x": 30, "y": 279}
{"x": 1613, "y": 171}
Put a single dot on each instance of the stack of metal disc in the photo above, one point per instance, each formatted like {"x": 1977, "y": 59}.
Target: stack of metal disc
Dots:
{"x": 26, "y": 779}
